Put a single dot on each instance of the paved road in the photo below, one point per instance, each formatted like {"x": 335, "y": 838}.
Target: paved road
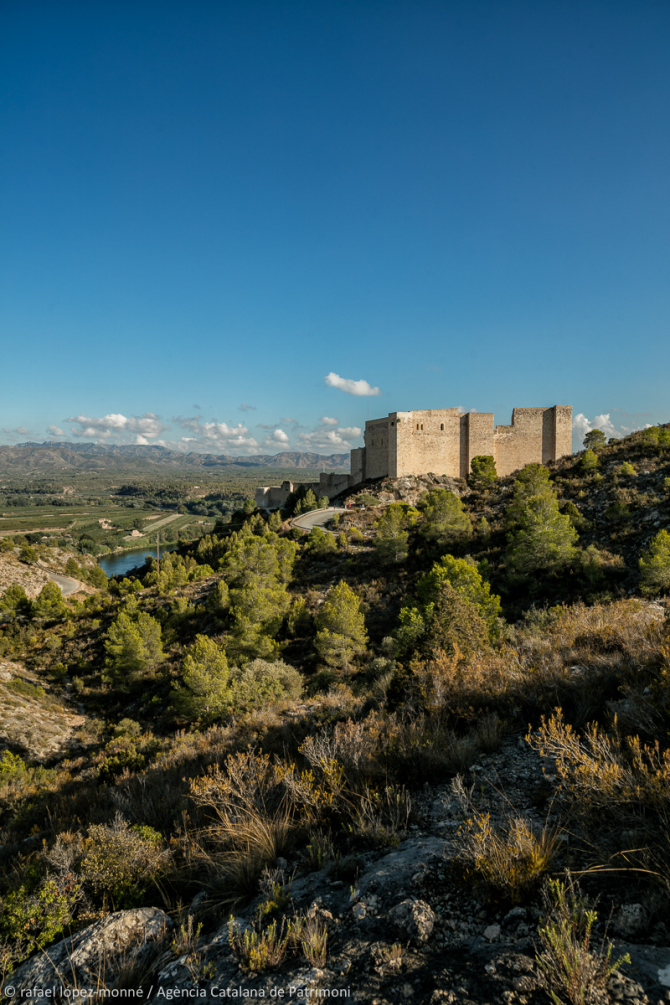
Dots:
{"x": 316, "y": 518}
{"x": 66, "y": 584}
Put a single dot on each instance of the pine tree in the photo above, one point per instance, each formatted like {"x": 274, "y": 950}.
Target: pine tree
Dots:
{"x": 465, "y": 578}
{"x": 445, "y": 521}
{"x": 340, "y": 626}
{"x": 391, "y": 538}
{"x": 595, "y": 439}
{"x": 456, "y": 625}
{"x": 655, "y": 565}
{"x": 49, "y": 603}
{"x": 206, "y": 692}
{"x": 134, "y": 648}
{"x": 545, "y": 538}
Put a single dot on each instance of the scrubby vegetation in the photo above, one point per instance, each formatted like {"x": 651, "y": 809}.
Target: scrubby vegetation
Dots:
{"x": 260, "y": 697}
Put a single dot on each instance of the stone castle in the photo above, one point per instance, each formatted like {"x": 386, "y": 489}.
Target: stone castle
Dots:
{"x": 443, "y": 441}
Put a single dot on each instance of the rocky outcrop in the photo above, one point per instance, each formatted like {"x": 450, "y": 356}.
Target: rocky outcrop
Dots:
{"x": 94, "y": 957}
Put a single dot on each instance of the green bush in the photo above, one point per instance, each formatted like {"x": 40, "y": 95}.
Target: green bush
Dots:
{"x": 205, "y": 691}
{"x": 261, "y": 682}
{"x": 340, "y": 627}
{"x": 589, "y": 461}
{"x": 466, "y": 579}
{"x": 30, "y": 921}
{"x": 445, "y": 521}
{"x": 655, "y": 565}
{"x": 545, "y": 537}
{"x": 121, "y": 862}
{"x": 482, "y": 471}
{"x": 49, "y": 603}
{"x": 320, "y": 542}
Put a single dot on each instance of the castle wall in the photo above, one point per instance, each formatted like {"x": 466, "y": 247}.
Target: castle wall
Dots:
{"x": 357, "y": 466}
{"x": 332, "y": 483}
{"x": 443, "y": 441}
{"x": 377, "y": 447}
{"x": 428, "y": 441}
{"x": 480, "y": 439}
{"x": 274, "y": 496}
{"x": 563, "y": 430}
{"x": 536, "y": 435}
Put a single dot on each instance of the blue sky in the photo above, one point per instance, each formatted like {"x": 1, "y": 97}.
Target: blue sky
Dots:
{"x": 209, "y": 207}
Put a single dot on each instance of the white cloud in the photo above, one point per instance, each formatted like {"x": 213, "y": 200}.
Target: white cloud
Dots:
{"x": 17, "y": 431}
{"x": 278, "y": 437}
{"x": 357, "y": 387}
{"x": 330, "y": 439}
{"x": 55, "y": 431}
{"x": 141, "y": 441}
{"x": 581, "y": 425}
{"x": 327, "y": 421}
{"x": 215, "y": 436}
{"x": 148, "y": 426}
{"x": 247, "y": 408}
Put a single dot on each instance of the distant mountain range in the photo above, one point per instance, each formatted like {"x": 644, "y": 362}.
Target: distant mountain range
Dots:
{"x": 54, "y": 457}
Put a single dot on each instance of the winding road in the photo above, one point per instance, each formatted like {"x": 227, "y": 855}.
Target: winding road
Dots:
{"x": 317, "y": 518}
{"x": 66, "y": 584}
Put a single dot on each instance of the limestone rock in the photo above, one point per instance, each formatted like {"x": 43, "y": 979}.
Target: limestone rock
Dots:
{"x": 95, "y": 955}
{"x": 631, "y": 919}
{"x": 415, "y": 919}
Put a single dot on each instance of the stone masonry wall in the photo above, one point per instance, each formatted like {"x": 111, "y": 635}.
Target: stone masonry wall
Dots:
{"x": 444, "y": 441}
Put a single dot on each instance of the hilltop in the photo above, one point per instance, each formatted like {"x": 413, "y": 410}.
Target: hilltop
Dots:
{"x": 375, "y": 744}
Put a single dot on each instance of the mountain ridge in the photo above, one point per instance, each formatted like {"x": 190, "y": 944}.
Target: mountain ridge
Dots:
{"x": 57, "y": 455}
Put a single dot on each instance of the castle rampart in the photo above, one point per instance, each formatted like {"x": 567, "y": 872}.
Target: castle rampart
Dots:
{"x": 444, "y": 441}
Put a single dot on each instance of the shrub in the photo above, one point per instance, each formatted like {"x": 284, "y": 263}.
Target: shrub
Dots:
{"x": 30, "y": 921}
{"x": 261, "y": 682}
{"x": 589, "y": 461}
{"x": 510, "y": 861}
{"x": 467, "y": 581}
{"x": 482, "y": 471}
{"x": 568, "y": 966}
{"x": 457, "y": 627}
{"x": 655, "y": 565}
{"x": 121, "y": 862}
{"x": 627, "y": 469}
{"x": 28, "y": 555}
{"x": 320, "y": 541}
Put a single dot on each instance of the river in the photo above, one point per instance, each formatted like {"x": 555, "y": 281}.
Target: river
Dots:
{"x": 118, "y": 565}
